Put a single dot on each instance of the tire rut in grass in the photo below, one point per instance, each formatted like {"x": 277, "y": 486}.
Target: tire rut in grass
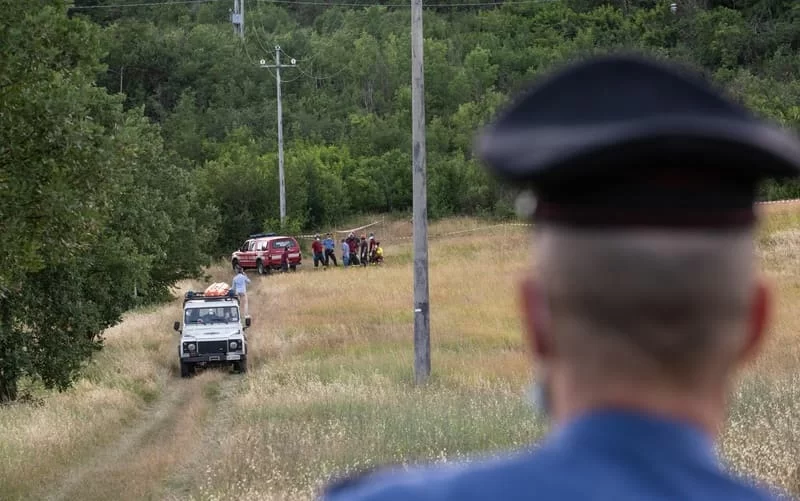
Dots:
{"x": 134, "y": 465}
{"x": 207, "y": 444}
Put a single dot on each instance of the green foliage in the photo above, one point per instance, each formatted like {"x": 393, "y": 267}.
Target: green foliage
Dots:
{"x": 137, "y": 141}
{"x": 92, "y": 207}
{"x": 347, "y": 105}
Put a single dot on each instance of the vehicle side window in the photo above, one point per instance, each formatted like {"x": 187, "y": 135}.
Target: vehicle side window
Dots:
{"x": 282, "y": 244}
{"x": 262, "y": 246}
{"x": 251, "y": 246}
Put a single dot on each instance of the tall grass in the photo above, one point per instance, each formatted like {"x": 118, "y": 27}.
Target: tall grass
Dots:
{"x": 41, "y": 442}
{"x": 331, "y": 389}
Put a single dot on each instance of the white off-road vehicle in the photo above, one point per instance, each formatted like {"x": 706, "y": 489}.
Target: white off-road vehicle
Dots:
{"x": 213, "y": 332}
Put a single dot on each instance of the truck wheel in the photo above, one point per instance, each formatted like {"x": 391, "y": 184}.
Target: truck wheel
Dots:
{"x": 186, "y": 369}
{"x": 241, "y": 366}
{"x": 293, "y": 267}
{"x": 260, "y": 267}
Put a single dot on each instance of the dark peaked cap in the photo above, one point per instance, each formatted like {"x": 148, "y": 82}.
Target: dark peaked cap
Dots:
{"x": 626, "y": 140}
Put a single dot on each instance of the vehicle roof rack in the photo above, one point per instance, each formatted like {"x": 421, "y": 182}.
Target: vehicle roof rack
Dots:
{"x": 260, "y": 235}
{"x": 229, "y": 296}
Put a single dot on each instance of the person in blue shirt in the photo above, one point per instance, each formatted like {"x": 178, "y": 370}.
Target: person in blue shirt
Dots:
{"x": 643, "y": 299}
{"x": 330, "y": 250}
{"x": 240, "y": 282}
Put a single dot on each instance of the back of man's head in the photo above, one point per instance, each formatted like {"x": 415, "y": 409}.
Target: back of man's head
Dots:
{"x": 660, "y": 304}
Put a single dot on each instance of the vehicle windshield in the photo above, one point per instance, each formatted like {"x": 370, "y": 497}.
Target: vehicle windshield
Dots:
{"x": 217, "y": 314}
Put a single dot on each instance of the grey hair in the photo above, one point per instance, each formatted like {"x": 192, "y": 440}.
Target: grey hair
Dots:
{"x": 664, "y": 299}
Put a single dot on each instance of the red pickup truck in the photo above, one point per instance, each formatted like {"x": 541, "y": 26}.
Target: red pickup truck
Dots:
{"x": 264, "y": 252}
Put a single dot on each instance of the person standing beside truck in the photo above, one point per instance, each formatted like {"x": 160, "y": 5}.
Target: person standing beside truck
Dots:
{"x": 316, "y": 249}
{"x": 240, "y": 282}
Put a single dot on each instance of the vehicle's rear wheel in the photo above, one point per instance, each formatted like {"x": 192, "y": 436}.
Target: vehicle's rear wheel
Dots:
{"x": 260, "y": 267}
{"x": 293, "y": 267}
{"x": 234, "y": 264}
{"x": 186, "y": 369}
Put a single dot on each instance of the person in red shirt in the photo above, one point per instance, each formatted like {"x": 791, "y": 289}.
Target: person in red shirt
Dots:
{"x": 319, "y": 255}
{"x": 352, "y": 241}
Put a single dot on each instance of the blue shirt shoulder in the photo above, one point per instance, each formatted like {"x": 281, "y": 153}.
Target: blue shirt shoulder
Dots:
{"x": 603, "y": 457}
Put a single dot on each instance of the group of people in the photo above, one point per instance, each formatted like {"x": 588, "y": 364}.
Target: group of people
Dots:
{"x": 355, "y": 250}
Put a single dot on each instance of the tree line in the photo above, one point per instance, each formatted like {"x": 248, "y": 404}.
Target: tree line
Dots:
{"x": 139, "y": 142}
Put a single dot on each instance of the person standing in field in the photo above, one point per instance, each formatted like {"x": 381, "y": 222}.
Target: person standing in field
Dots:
{"x": 364, "y": 256}
{"x": 285, "y": 260}
{"x": 330, "y": 250}
{"x": 240, "y": 282}
{"x": 643, "y": 300}
{"x": 319, "y": 255}
{"x": 345, "y": 253}
{"x": 352, "y": 241}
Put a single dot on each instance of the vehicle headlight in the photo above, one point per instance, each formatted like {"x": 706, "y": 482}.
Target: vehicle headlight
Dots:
{"x": 190, "y": 347}
{"x": 234, "y": 345}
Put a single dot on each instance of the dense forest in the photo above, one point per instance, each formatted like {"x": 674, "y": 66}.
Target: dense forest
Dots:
{"x": 138, "y": 138}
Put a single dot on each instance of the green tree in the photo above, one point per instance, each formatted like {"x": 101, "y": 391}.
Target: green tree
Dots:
{"x": 90, "y": 205}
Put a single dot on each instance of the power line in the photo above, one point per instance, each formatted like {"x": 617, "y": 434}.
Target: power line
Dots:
{"x": 320, "y": 3}
{"x": 311, "y": 75}
{"x": 429, "y": 5}
{"x": 141, "y": 4}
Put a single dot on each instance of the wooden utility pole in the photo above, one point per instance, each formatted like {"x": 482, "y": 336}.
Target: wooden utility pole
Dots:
{"x": 281, "y": 177}
{"x": 237, "y": 18}
{"x": 422, "y": 338}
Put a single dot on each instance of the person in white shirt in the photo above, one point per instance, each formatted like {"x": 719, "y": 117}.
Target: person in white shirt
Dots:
{"x": 345, "y": 253}
{"x": 240, "y": 282}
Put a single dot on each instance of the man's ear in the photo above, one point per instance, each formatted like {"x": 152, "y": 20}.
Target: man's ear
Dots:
{"x": 760, "y": 313}
{"x": 536, "y": 318}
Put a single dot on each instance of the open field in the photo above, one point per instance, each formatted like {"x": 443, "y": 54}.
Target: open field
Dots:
{"x": 330, "y": 390}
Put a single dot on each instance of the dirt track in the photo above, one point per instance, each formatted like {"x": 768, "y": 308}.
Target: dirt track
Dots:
{"x": 160, "y": 445}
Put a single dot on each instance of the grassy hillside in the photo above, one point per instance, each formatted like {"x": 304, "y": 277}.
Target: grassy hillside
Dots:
{"x": 330, "y": 385}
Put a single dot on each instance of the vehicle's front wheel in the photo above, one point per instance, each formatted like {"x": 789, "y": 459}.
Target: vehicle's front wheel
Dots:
{"x": 186, "y": 369}
{"x": 241, "y": 366}
{"x": 260, "y": 267}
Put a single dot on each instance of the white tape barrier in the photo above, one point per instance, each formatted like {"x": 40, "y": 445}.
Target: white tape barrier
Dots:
{"x": 790, "y": 201}
{"x": 481, "y": 228}
{"x": 353, "y": 230}
{"x": 460, "y": 232}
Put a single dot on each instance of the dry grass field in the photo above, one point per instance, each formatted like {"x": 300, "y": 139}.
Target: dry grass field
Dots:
{"x": 330, "y": 386}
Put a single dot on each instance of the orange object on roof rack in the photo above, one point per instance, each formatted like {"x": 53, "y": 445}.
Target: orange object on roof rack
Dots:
{"x": 217, "y": 289}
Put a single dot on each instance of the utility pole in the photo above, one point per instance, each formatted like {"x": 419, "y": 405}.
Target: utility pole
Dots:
{"x": 281, "y": 178}
{"x": 237, "y": 18}
{"x": 422, "y": 338}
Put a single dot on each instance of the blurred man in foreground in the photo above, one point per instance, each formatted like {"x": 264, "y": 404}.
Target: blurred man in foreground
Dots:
{"x": 644, "y": 297}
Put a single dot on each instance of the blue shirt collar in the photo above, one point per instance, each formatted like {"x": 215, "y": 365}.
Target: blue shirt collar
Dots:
{"x": 609, "y": 430}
